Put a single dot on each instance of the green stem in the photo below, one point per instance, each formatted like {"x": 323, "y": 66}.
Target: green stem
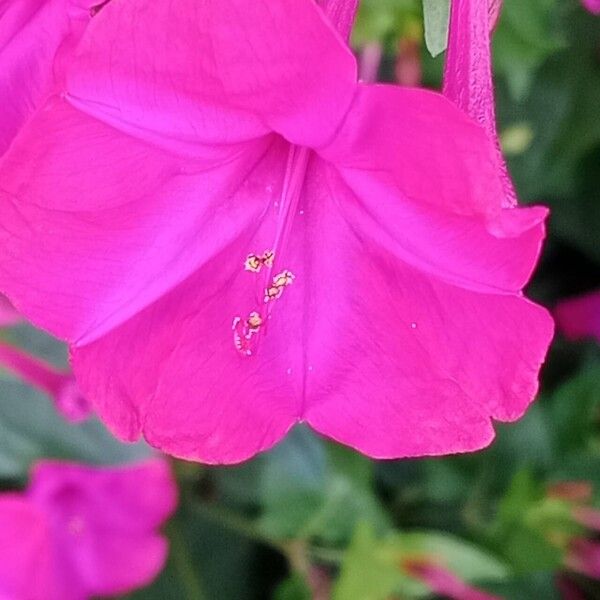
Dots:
{"x": 183, "y": 566}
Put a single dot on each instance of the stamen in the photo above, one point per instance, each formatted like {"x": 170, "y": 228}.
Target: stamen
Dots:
{"x": 246, "y": 331}
{"x": 280, "y": 282}
{"x": 255, "y": 263}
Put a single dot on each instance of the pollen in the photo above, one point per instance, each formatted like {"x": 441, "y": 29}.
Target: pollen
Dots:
{"x": 280, "y": 282}
{"x": 245, "y": 332}
{"x": 255, "y": 262}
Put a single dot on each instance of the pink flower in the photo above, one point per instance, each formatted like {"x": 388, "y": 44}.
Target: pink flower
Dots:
{"x": 592, "y": 5}
{"x": 79, "y": 531}
{"x": 60, "y": 386}
{"x": 36, "y": 38}
{"x": 234, "y": 236}
{"x": 579, "y": 317}
{"x": 443, "y": 582}
{"x": 584, "y": 557}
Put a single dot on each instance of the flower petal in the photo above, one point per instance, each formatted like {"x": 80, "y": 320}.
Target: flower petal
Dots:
{"x": 400, "y": 363}
{"x": 210, "y": 71}
{"x": 435, "y": 153}
{"x": 96, "y": 225}
{"x": 31, "y": 34}
{"x": 172, "y": 371}
{"x": 428, "y": 188}
{"x": 24, "y": 550}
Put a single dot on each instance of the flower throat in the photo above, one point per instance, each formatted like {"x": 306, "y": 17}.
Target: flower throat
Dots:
{"x": 264, "y": 264}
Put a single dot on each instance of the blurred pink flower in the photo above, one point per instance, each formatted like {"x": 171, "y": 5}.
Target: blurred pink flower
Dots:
{"x": 592, "y": 5}
{"x": 80, "y": 531}
{"x": 587, "y": 516}
{"x": 442, "y": 581}
{"x": 579, "y": 317}
{"x": 236, "y": 236}
{"x": 408, "y": 69}
{"x": 584, "y": 557}
{"x": 8, "y": 315}
{"x": 59, "y": 385}
{"x": 36, "y": 39}
{"x": 370, "y": 62}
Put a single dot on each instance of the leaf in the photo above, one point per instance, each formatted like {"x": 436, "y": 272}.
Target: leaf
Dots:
{"x": 293, "y": 588}
{"x": 316, "y": 490}
{"x": 574, "y": 409}
{"x": 373, "y": 568}
{"x": 525, "y": 37}
{"x": 436, "y": 16}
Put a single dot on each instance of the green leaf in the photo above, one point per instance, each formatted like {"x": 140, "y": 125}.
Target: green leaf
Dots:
{"x": 373, "y": 568}
{"x": 316, "y": 490}
{"x": 525, "y": 37}
{"x": 436, "y": 16}
{"x": 293, "y": 588}
{"x": 574, "y": 410}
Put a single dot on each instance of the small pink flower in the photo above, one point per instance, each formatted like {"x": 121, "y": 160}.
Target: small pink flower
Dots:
{"x": 584, "y": 557}
{"x": 442, "y": 581}
{"x": 80, "y": 532}
{"x": 579, "y": 317}
{"x": 235, "y": 236}
{"x": 36, "y": 39}
{"x": 59, "y": 385}
{"x": 592, "y": 5}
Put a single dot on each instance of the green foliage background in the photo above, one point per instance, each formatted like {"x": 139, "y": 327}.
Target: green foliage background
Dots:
{"x": 310, "y": 508}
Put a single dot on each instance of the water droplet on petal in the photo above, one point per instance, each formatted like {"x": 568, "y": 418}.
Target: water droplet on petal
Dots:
{"x": 413, "y": 325}
{"x": 289, "y": 371}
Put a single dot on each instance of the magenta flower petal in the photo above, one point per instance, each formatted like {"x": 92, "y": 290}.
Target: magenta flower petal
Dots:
{"x": 579, "y": 317}
{"x": 122, "y": 224}
{"x": 25, "y": 550}
{"x": 592, "y": 5}
{"x": 59, "y": 385}
{"x": 237, "y": 71}
{"x": 442, "y": 392}
{"x": 103, "y": 524}
{"x": 453, "y": 220}
{"x": 203, "y": 402}
{"x": 36, "y": 39}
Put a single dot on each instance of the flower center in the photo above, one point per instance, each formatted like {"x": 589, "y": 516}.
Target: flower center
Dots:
{"x": 247, "y": 330}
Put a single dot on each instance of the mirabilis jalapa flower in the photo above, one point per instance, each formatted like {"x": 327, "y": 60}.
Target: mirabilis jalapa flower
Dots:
{"x": 79, "y": 532}
{"x": 235, "y": 236}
